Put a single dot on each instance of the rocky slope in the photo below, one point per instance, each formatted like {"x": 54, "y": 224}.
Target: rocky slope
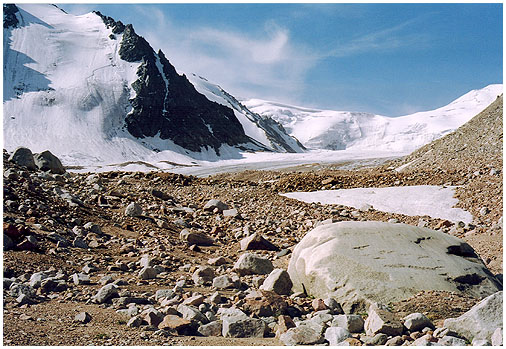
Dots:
{"x": 152, "y": 261}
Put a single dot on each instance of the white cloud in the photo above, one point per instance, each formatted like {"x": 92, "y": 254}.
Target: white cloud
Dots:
{"x": 269, "y": 65}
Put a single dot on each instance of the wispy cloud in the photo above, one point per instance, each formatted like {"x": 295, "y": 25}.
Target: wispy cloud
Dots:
{"x": 381, "y": 40}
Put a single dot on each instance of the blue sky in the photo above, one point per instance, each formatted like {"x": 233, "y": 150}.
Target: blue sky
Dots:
{"x": 390, "y": 59}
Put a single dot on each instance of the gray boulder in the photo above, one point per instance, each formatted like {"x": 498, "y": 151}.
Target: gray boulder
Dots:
{"x": 242, "y": 327}
{"x": 213, "y": 329}
{"x": 257, "y": 242}
{"x": 225, "y": 281}
{"x": 301, "y": 335}
{"x": 352, "y": 323}
{"x": 133, "y": 210}
{"x": 250, "y": 263}
{"x": 191, "y": 313}
{"x": 380, "y": 320}
{"x": 213, "y": 204}
{"x": 417, "y": 322}
{"x": 335, "y": 335}
{"x": 384, "y": 262}
{"x": 481, "y": 320}
{"x": 278, "y": 281}
{"x": 193, "y": 238}
{"x": 106, "y": 293}
{"x": 46, "y": 161}
{"x": 452, "y": 341}
{"x": 23, "y": 157}
{"x": 496, "y": 338}
{"x": 203, "y": 275}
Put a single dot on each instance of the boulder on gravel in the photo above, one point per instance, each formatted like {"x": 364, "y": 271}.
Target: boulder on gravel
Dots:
{"x": 257, "y": 242}
{"x": 335, "y": 335}
{"x": 417, "y": 322}
{"x": 481, "y": 320}
{"x": 278, "y": 281}
{"x": 23, "y": 157}
{"x": 380, "y": 320}
{"x": 106, "y": 293}
{"x": 250, "y": 263}
{"x": 213, "y": 204}
{"x": 133, "y": 210}
{"x": 46, "y": 161}
{"x": 242, "y": 327}
{"x": 352, "y": 323}
{"x": 384, "y": 262}
{"x": 193, "y": 238}
{"x": 302, "y": 335}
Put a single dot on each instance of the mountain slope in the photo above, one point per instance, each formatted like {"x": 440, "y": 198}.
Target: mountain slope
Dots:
{"x": 337, "y": 130}
{"x": 475, "y": 145}
{"x": 261, "y": 128}
{"x": 90, "y": 89}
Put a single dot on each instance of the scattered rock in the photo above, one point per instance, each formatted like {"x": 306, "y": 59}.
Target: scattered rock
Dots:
{"x": 213, "y": 204}
{"x": 212, "y": 329}
{"x": 106, "y": 293}
{"x": 147, "y": 273}
{"x": 378, "y": 339}
{"x": 83, "y": 317}
{"x": 496, "y": 338}
{"x": 203, "y": 275}
{"x": 250, "y": 263}
{"x": 225, "y": 281}
{"x": 451, "y": 341}
{"x": 23, "y": 157}
{"x": 257, "y": 242}
{"x": 198, "y": 239}
{"x": 352, "y": 323}
{"x": 133, "y": 210}
{"x": 380, "y": 320}
{"x": 46, "y": 161}
{"x": 242, "y": 327}
{"x": 335, "y": 335}
{"x": 417, "y": 322}
{"x": 301, "y": 335}
{"x": 481, "y": 320}
{"x": 177, "y": 324}
{"x": 278, "y": 281}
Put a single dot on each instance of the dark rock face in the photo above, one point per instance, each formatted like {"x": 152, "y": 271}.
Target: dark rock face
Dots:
{"x": 10, "y": 19}
{"x": 168, "y": 105}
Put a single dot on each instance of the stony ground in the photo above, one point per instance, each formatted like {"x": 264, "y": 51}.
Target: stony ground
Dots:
{"x": 116, "y": 244}
{"x": 78, "y": 246}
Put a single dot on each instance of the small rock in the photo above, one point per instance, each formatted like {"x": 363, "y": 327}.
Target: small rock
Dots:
{"x": 168, "y": 294}
{"x": 23, "y": 157}
{"x": 225, "y": 281}
{"x": 212, "y": 329}
{"x": 301, "y": 335}
{"x": 318, "y": 304}
{"x": 218, "y": 261}
{"x": 203, "y": 275}
{"x": 46, "y": 161}
{"x": 416, "y": 322}
{"x": 285, "y": 322}
{"x": 135, "y": 321}
{"x": 378, "y": 339}
{"x": 352, "y": 323}
{"x": 334, "y": 306}
{"x": 58, "y": 239}
{"x": 176, "y": 323}
{"x": 250, "y": 263}
{"x": 153, "y": 317}
{"x": 234, "y": 213}
{"x": 336, "y": 335}
{"x": 191, "y": 313}
{"x": 380, "y": 320}
{"x": 213, "y": 204}
{"x": 133, "y": 210}
{"x": 198, "y": 239}
{"x": 83, "y": 317}
{"x": 496, "y": 338}
{"x": 106, "y": 293}
{"x": 278, "y": 281}
{"x": 243, "y": 327}
{"x": 147, "y": 273}
{"x": 257, "y": 242}
{"x": 451, "y": 341}
{"x": 394, "y": 341}
{"x": 484, "y": 211}
{"x": 79, "y": 243}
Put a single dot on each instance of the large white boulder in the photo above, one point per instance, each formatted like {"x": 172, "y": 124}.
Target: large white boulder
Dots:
{"x": 363, "y": 262}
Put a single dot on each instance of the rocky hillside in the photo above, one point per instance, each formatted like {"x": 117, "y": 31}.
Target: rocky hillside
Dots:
{"x": 473, "y": 146}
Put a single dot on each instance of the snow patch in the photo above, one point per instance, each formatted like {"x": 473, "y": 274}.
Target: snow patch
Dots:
{"x": 421, "y": 200}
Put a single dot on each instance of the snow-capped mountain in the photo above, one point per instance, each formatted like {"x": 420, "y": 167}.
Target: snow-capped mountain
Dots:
{"x": 338, "y": 130}
{"x": 91, "y": 90}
